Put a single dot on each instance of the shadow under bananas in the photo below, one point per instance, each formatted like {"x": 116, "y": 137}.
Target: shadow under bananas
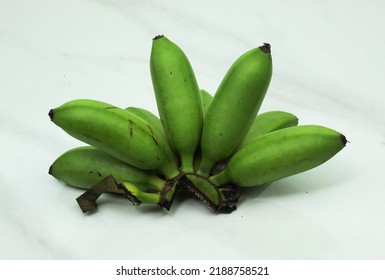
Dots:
{"x": 251, "y": 193}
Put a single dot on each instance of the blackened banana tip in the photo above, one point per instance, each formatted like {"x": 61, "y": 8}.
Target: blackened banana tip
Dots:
{"x": 266, "y": 48}
{"x": 157, "y": 37}
{"x": 51, "y": 114}
{"x": 50, "y": 170}
{"x": 343, "y": 139}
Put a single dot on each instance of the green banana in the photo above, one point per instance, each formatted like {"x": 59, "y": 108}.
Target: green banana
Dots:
{"x": 207, "y": 98}
{"x": 156, "y": 124}
{"x": 268, "y": 122}
{"x": 280, "y": 154}
{"x": 178, "y": 99}
{"x": 211, "y": 147}
{"x": 84, "y": 167}
{"x": 235, "y": 106}
{"x": 116, "y": 132}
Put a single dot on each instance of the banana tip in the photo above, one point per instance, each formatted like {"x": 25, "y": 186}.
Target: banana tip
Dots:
{"x": 50, "y": 170}
{"x": 50, "y": 114}
{"x": 158, "y": 37}
{"x": 343, "y": 139}
{"x": 266, "y": 48}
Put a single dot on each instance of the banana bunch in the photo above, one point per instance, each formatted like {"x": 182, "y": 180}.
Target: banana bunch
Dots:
{"x": 209, "y": 146}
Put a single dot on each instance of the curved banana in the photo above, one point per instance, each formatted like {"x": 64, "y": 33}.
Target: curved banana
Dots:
{"x": 280, "y": 154}
{"x": 178, "y": 99}
{"x": 268, "y": 122}
{"x": 116, "y": 132}
{"x": 235, "y": 106}
{"x": 84, "y": 167}
{"x": 207, "y": 98}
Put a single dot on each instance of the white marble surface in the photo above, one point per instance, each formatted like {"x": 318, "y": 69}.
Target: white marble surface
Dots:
{"x": 328, "y": 69}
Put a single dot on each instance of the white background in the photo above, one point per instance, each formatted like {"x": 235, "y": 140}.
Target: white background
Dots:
{"x": 328, "y": 70}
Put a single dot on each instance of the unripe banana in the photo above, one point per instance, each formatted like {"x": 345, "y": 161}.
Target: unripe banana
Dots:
{"x": 178, "y": 99}
{"x": 280, "y": 154}
{"x": 235, "y": 106}
{"x": 154, "y": 122}
{"x": 84, "y": 167}
{"x": 263, "y": 123}
{"x": 268, "y": 122}
{"x": 206, "y": 100}
{"x": 116, "y": 132}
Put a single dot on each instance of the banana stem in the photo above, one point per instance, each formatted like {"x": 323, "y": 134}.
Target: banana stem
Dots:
{"x": 216, "y": 199}
{"x": 220, "y": 178}
{"x": 205, "y": 187}
{"x": 169, "y": 170}
{"x": 205, "y": 167}
{"x": 137, "y": 196}
{"x": 167, "y": 193}
{"x": 156, "y": 182}
{"x": 187, "y": 163}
